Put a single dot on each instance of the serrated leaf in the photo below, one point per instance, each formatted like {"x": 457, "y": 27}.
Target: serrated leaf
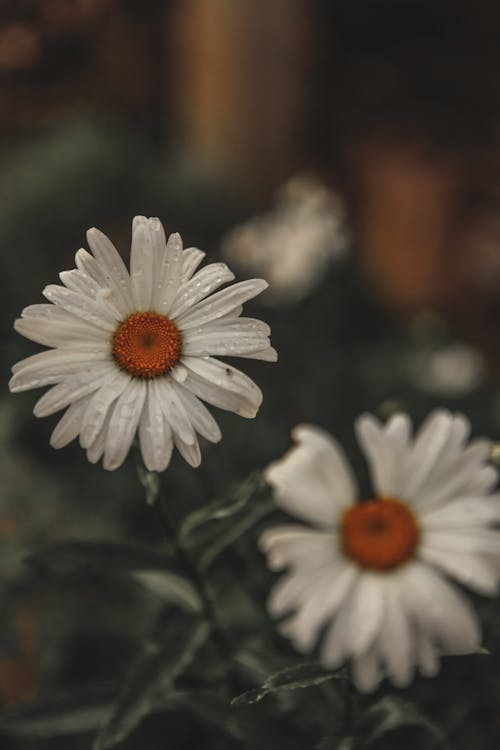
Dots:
{"x": 292, "y": 678}
{"x": 220, "y": 509}
{"x": 67, "y": 716}
{"x": 154, "y": 673}
{"x": 392, "y": 713}
{"x": 171, "y": 587}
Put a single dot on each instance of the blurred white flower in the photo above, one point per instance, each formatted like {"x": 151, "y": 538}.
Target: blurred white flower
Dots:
{"x": 452, "y": 370}
{"x": 372, "y": 576}
{"x": 134, "y": 352}
{"x": 294, "y": 244}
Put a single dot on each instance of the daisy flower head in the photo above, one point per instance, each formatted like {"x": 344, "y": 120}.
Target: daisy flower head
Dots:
{"x": 134, "y": 352}
{"x": 371, "y": 580}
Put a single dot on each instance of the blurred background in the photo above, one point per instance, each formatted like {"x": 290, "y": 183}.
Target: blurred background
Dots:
{"x": 346, "y": 150}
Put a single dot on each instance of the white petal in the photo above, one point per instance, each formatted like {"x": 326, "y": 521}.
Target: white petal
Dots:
{"x": 202, "y": 284}
{"x": 73, "y": 388}
{"x": 111, "y": 267}
{"x": 159, "y": 249}
{"x": 324, "y": 597}
{"x": 366, "y": 671}
{"x": 125, "y": 415}
{"x": 100, "y": 404}
{"x": 69, "y": 425}
{"x": 288, "y": 593}
{"x": 189, "y": 452}
{"x": 96, "y": 312}
{"x": 96, "y": 450}
{"x": 313, "y": 481}
{"x": 358, "y": 621}
{"x": 59, "y": 333}
{"x": 470, "y": 569}
{"x": 169, "y": 275}
{"x": 198, "y": 414}
{"x": 463, "y": 475}
{"x": 269, "y": 354}
{"x": 430, "y": 445}
{"x": 141, "y": 263}
{"x": 396, "y": 639}
{"x": 191, "y": 259}
{"x": 465, "y": 512}
{"x": 438, "y": 609}
{"x": 155, "y": 435}
{"x": 427, "y": 654}
{"x": 234, "y": 312}
{"x": 298, "y": 546}
{"x": 86, "y": 263}
{"x": 168, "y": 400}
{"x": 219, "y": 304}
{"x": 80, "y": 282}
{"x": 238, "y": 325}
{"x": 227, "y": 340}
{"x": 49, "y": 367}
{"x": 52, "y": 326}
{"x": 334, "y": 462}
{"x": 473, "y": 540}
{"x": 385, "y": 448}
{"x": 221, "y": 385}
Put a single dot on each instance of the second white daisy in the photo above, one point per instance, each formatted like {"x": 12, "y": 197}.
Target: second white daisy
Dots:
{"x": 135, "y": 352}
{"x": 371, "y": 579}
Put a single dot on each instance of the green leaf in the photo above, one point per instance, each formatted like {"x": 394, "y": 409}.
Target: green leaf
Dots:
{"x": 66, "y": 716}
{"x": 293, "y": 678}
{"x": 220, "y": 509}
{"x": 392, "y": 713}
{"x": 154, "y": 674}
{"x": 171, "y": 587}
{"x": 150, "y": 480}
{"x": 233, "y": 532}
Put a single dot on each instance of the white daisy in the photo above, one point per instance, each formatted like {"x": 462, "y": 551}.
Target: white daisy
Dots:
{"x": 135, "y": 352}
{"x": 372, "y": 578}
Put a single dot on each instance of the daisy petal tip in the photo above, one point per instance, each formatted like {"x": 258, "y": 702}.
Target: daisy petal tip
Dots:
{"x": 37, "y": 411}
{"x": 138, "y": 221}
{"x": 275, "y": 607}
{"x": 175, "y": 240}
{"x": 91, "y": 234}
{"x": 12, "y": 385}
{"x": 54, "y": 441}
{"x": 303, "y": 432}
{"x": 248, "y": 413}
{"x": 111, "y": 464}
{"x": 440, "y": 416}
{"x": 262, "y": 284}
{"x": 365, "y": 421}
{"x": 271, "y": 474}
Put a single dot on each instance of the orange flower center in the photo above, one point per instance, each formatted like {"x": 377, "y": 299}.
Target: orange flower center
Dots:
{"x": 379, "y": 534}
{"x": 147, "y": 345}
